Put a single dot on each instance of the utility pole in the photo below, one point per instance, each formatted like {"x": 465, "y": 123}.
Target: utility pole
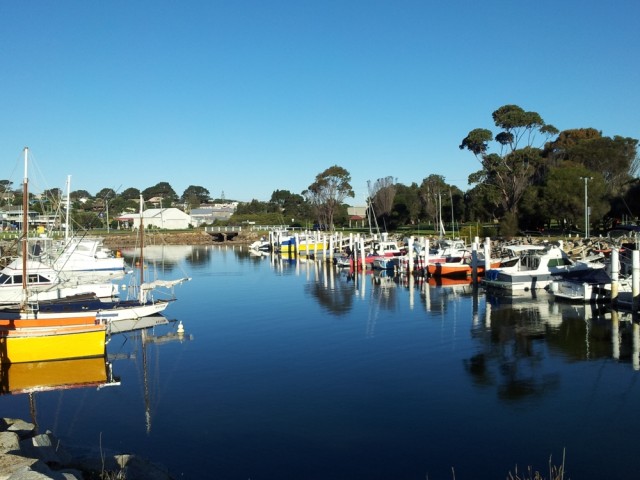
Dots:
{"x": 586, "y": 205}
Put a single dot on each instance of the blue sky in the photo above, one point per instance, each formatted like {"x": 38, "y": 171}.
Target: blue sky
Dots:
{"x": 246, "y": 97}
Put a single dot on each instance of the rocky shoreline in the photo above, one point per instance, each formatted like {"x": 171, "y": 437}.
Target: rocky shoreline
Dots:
{"x": 27, "y": 455}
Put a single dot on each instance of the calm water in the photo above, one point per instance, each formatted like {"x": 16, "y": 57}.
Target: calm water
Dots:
{"x": 298, "y": 371}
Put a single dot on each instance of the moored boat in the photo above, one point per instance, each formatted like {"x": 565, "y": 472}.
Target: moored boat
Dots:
{"x": 536, "y": 268}
{"x": 36, "y": 344}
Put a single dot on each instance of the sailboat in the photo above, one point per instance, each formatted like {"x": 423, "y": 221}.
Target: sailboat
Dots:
{"x": 27, "y": 336}
{"x": 118, "y": 315}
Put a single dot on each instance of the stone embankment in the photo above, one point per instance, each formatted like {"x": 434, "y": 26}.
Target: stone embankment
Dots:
{"x": 27, "y": 455}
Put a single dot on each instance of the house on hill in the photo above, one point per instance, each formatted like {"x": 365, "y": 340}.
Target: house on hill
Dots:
{"x": 164, "y": 218}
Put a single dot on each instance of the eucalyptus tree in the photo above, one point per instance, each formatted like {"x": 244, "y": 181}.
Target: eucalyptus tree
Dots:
{"x": 326, "y": 194}
{"x": 616, "y": 158}
{"x": 512, "y": 169}
{"x": 564, "y": 195}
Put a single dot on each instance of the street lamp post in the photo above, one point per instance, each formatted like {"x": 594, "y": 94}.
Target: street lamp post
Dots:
{"x": 586, "y": 206}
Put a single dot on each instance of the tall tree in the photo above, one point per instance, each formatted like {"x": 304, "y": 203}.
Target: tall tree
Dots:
{"x": 406, "y": 205}
{"x": 382, "y": 194}
{"x": 195, "y": 195}
{"x": 432, "y": 190}
{"x": 130, "y": 194}
{"x": 563, "y": 196}
{"x": 616, "y": 159}
{"x": 162, "y": 189}
{"x": 328, "y": 192}
{"x": 512, "y": 169}
{"x": 291, "y": 205}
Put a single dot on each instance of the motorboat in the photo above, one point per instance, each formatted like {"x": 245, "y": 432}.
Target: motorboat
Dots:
{"x": 588, "y": 285}
{"x": 537, "y": 266}
{"x": 45, "y": 283}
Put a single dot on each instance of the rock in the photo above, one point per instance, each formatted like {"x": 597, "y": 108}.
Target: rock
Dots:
{"x": 11, "y": 464}
{"x": 45, "y": 447}
{"x": 22, "y": 428}
{"x": 9, "y": 442}
{"x": 25, "y": 455}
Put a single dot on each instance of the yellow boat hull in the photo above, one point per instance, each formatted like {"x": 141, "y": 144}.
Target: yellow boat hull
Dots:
{"x": 44, "y": 344}
{"x": 311, "y": 247}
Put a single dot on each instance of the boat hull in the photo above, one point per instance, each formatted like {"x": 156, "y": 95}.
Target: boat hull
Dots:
{"x": 54, "y": 343}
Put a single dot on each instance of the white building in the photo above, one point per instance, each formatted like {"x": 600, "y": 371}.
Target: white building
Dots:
{"x": 164, "y": 218}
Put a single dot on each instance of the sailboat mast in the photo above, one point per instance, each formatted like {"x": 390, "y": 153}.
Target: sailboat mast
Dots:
{"x": 66, "y": 227}
{"x": 141, "y": 250}
{"x": 25, "y": 224}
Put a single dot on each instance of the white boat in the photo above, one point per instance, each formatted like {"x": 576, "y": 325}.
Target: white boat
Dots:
{"x": 44, "y": 283}
{"x": 262, "y": 245}
{"x": 445, "y": 249}
{"x": 535, "y": 269}
{"x": 90, "y": 259}
{"x": 590, "y": 286}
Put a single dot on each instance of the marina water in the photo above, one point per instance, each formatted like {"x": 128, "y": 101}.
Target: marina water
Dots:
{"x": 299, "y": 370}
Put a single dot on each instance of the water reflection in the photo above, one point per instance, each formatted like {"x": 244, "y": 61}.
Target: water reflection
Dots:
{"x": 519, "y": 338}
{"x": 34, "y": 378}
{"x": 166, "y": 258}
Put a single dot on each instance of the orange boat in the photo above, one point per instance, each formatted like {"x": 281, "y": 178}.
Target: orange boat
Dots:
{"x": 459, "y": 267}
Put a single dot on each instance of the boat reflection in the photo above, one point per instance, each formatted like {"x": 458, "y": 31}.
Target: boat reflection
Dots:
{"x": 19, "y": 378}
{"x": 37, "y": 377}
{"x": 134, "y": 344}
{"x": 517, "y": 338}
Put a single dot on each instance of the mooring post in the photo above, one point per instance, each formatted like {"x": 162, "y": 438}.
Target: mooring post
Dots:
{"x": 426, "y": 256}
{"x": 410, "y": 248}
{"x": 324, "y": 245}
{"x": 487, "y": 254}
{"x": 635, "y": 279}
{"x": 331, "y": 240}
{"x": 474, "y": 261}
{"x": 615, "y": 270}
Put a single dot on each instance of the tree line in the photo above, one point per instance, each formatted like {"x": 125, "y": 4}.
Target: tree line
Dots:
{"x": 530, "y": 177}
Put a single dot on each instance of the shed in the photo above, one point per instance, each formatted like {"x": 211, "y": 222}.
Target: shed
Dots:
{"x": 165, "y": 218}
